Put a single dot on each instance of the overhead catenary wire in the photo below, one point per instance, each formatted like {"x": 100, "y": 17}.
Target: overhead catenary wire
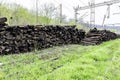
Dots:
{"x": 85, "y": 14}
{"x": 82, "y": 2}
{"x": 110, "y": 2}
{"x": 67, "y": 8}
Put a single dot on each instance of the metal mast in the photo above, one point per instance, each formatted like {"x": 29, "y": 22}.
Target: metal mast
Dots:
{"x": 111, "y": 2}
{"x": 36, "y": 11}
{"x": 92, "y": 7}
{"x": 61, "y": 13}
{"x": 92, "y": 13}
{"x": 76, "y": 14}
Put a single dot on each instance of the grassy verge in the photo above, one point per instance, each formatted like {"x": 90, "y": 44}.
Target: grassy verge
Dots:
{"x": 71, "y": 62}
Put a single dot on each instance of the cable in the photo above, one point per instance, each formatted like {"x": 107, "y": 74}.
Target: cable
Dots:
{"x": 85, "y": 14}
{"x": 63, "y": 5}
{"x": 82, "y": 2}
{"x": 69, "y": 4}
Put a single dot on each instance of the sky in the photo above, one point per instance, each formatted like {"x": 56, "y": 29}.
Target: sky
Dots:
{"x": 69, "y": 11}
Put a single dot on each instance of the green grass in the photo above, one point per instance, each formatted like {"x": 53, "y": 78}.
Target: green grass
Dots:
{"x": 70, "y": 62}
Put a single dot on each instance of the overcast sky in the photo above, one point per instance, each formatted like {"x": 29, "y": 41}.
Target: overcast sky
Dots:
{"x": 68, "y": 8}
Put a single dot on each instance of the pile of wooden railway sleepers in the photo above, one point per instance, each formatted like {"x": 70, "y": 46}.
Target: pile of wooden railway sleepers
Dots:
{"x": 17, "y": 39}
{"x": 3, "y": 21}
{"x": 95, "y": 37}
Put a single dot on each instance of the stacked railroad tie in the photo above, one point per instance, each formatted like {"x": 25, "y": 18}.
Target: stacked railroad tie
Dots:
{"x": 3, "y": 21}
{"x": 16, "y": 39}
{"x": 95, "y": 37}
{"x": 20, "y": 39}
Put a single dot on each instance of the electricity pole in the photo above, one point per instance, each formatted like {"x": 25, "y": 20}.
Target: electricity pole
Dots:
{"x": 0, "y": 8}
{"x": 107, "y": 15}
{"x": 60, "y": 13}
{"x": 92, "y": 13}
{"x": 92, "y": 7}
{"x": 36, "y": 11}
{"x": 76, "y": 15}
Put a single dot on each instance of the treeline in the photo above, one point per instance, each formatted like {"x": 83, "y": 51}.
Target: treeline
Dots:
{"x": 18, "y": 15}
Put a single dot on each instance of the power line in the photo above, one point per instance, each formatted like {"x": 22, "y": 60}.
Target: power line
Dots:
{"x": 100, "y": 4}
{"x": 67, "y": 8}
{"x": 93, "y": 5}
{"x": 84, "y": 15}
{"x": 82, "y": 2}
{"x": 69, "y": 4}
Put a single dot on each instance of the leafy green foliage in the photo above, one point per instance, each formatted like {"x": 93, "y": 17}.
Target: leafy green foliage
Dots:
{"x": 17, "y": 15}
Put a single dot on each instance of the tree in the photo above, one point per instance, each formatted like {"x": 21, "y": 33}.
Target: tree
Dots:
{"x": 49, "y": 12}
